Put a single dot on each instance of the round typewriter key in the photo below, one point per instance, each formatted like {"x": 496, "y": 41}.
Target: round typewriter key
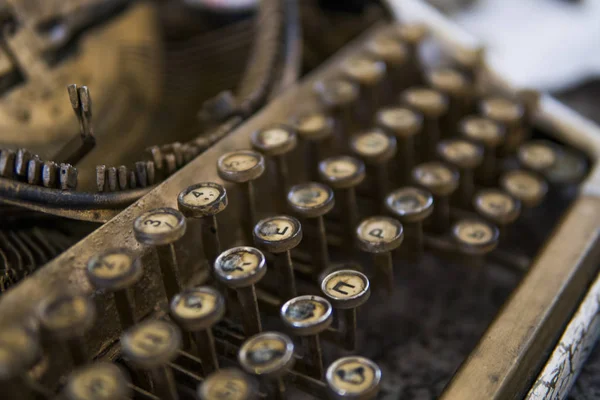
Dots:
{"x": 340, "y": 98}
{"x": 466, "y": 157}
{"x": 243, "y": 167}
{"x": 490, "y": 135}
{"x": 353, "y": 377}
{"x": 227, "y": 384}
{"x": 511, "y": 115}
{"x": 196, "y": 310}
{"x": 537, "y": 155}
{"x": 67, "y": 318}
{"x": 279, "y": 235}
{"x": 433, "y": 105}
{"x": 204, "y": 201}
{"x": 307, "y": 316}
{"x": 380, "y": 236}
{"x": 269, "y": 355}
{"x": 458, "y": 89}
{"x": 395, "y": 54}
{"x": 98, "y": 381}
{"x": 347, "y": 290}
{"x": 412, "y": 34}
{"x": 475, "y": 238}
{"x": 151, "y": 346}
{"x": 411, "y": 206}
{"x": 19, "y": 350}
{"x": 498, "y": 207}
{"x": 405, "y": 125}
{"x": 314, "y": 200}
{"x": 441, "y": 180}
{"x": 314, "y": 128}
{"x": 570, "y": 168}
{"x": 525, "y": 186}
{"x": 276, "y": 142}
{"x": 241, "y": 268}
{"x": 162, "y": 227}
{"x": 376, "y": 149}
{"x": 369, "y": 74}
{"x": 343, "y": 174}
{"x": 116, "y": 270}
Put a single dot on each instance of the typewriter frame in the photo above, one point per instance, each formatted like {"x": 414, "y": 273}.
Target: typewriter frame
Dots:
{"x": 515, "y": 346}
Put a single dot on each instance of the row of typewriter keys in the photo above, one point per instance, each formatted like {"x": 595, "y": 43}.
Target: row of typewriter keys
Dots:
{"x": 429, "y": 140}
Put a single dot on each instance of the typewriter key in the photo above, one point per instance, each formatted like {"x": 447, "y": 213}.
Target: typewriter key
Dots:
{"x": 204, "y": 201}
{"x": 67, "y": 318}
{"x": 241, "y": 268}
{"x": 411, "y": 206}
{"x": 343, "y": 174}
{"x": 466, "y": 157}
{"x": 276, "y": 142}
{"x": 497, "y": 207}
{"x": 314, "y": 200}
{"x": 279, "y": 235}
{"x": 269, "y": 355}
{"x": 570, "y": 168}
{"x": 347, "y": 290}
{"x": 458, "y": 89}
{"x": 369, "y": 74}
{"x": 490, "y": 135}
{"x": 404, "y": 124}
{"x": 537, "y": 155}
{"x": 475, "y": 238}
{"x": 380, "y": 236}
{"x": 376, "y": 149}
{"x": 395, "y": 54}
{"x": 340, "y": 98}
{"x": 315, "y": 129}
{"x": 196, "y": 310}
{"x": 151, "y": 346}
{"x": 307, "y": 316}
{"x": 98, "y": 381}
{"x": 19, "y": 350}
{"x": 227, "y": 384}
{"x": 243, "y": 167}
{"x": 353, "y": 377}
{"x": 525, "y": 186}
{"x": 441, "y": 180}
{"x": 116, "y": 270}
{"x": 432, "y": 105}
{"x": 162, "y": 227}
{"x": 510, "y": 115}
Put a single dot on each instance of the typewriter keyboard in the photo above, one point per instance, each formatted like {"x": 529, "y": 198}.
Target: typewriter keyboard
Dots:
{"x": 353, "y": 240}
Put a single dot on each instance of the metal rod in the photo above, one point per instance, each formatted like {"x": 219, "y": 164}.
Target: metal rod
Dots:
{"x": 250, "y": 313}
{"x": 205, "y": 343}
{"x": 350, "y": 329}
{"x": 210, "y": 238}
{"x": 384, "y": 269}
{"x": 313, "y": 351}
{"x": 126, "y": 316}
{"x": 164, "y": 383}
{"x": 167, "y": 260}
{"x": 285, "y": 268}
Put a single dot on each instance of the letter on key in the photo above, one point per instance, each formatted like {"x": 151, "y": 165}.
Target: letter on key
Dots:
{"x": 116, "y": 270}
{"x": 204, "y": 201}
{"x": 151, "y": 345}
{"x": 196, "y": 310}
{"x": 279, "y": 235}
{"x": 347, "y": 290}
{"x": 353, "y": 377}
{"x": 162, "y": 227}
{"x": 241, "y": 268}
{"x": 98, "y": 381}
{"x": 268, "y": 355}
{"x": 228, "y": 384}
{"x": 380, "y": 236}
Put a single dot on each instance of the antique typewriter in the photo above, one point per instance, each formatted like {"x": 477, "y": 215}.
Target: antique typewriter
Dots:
{"x": 387, "y": 226}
